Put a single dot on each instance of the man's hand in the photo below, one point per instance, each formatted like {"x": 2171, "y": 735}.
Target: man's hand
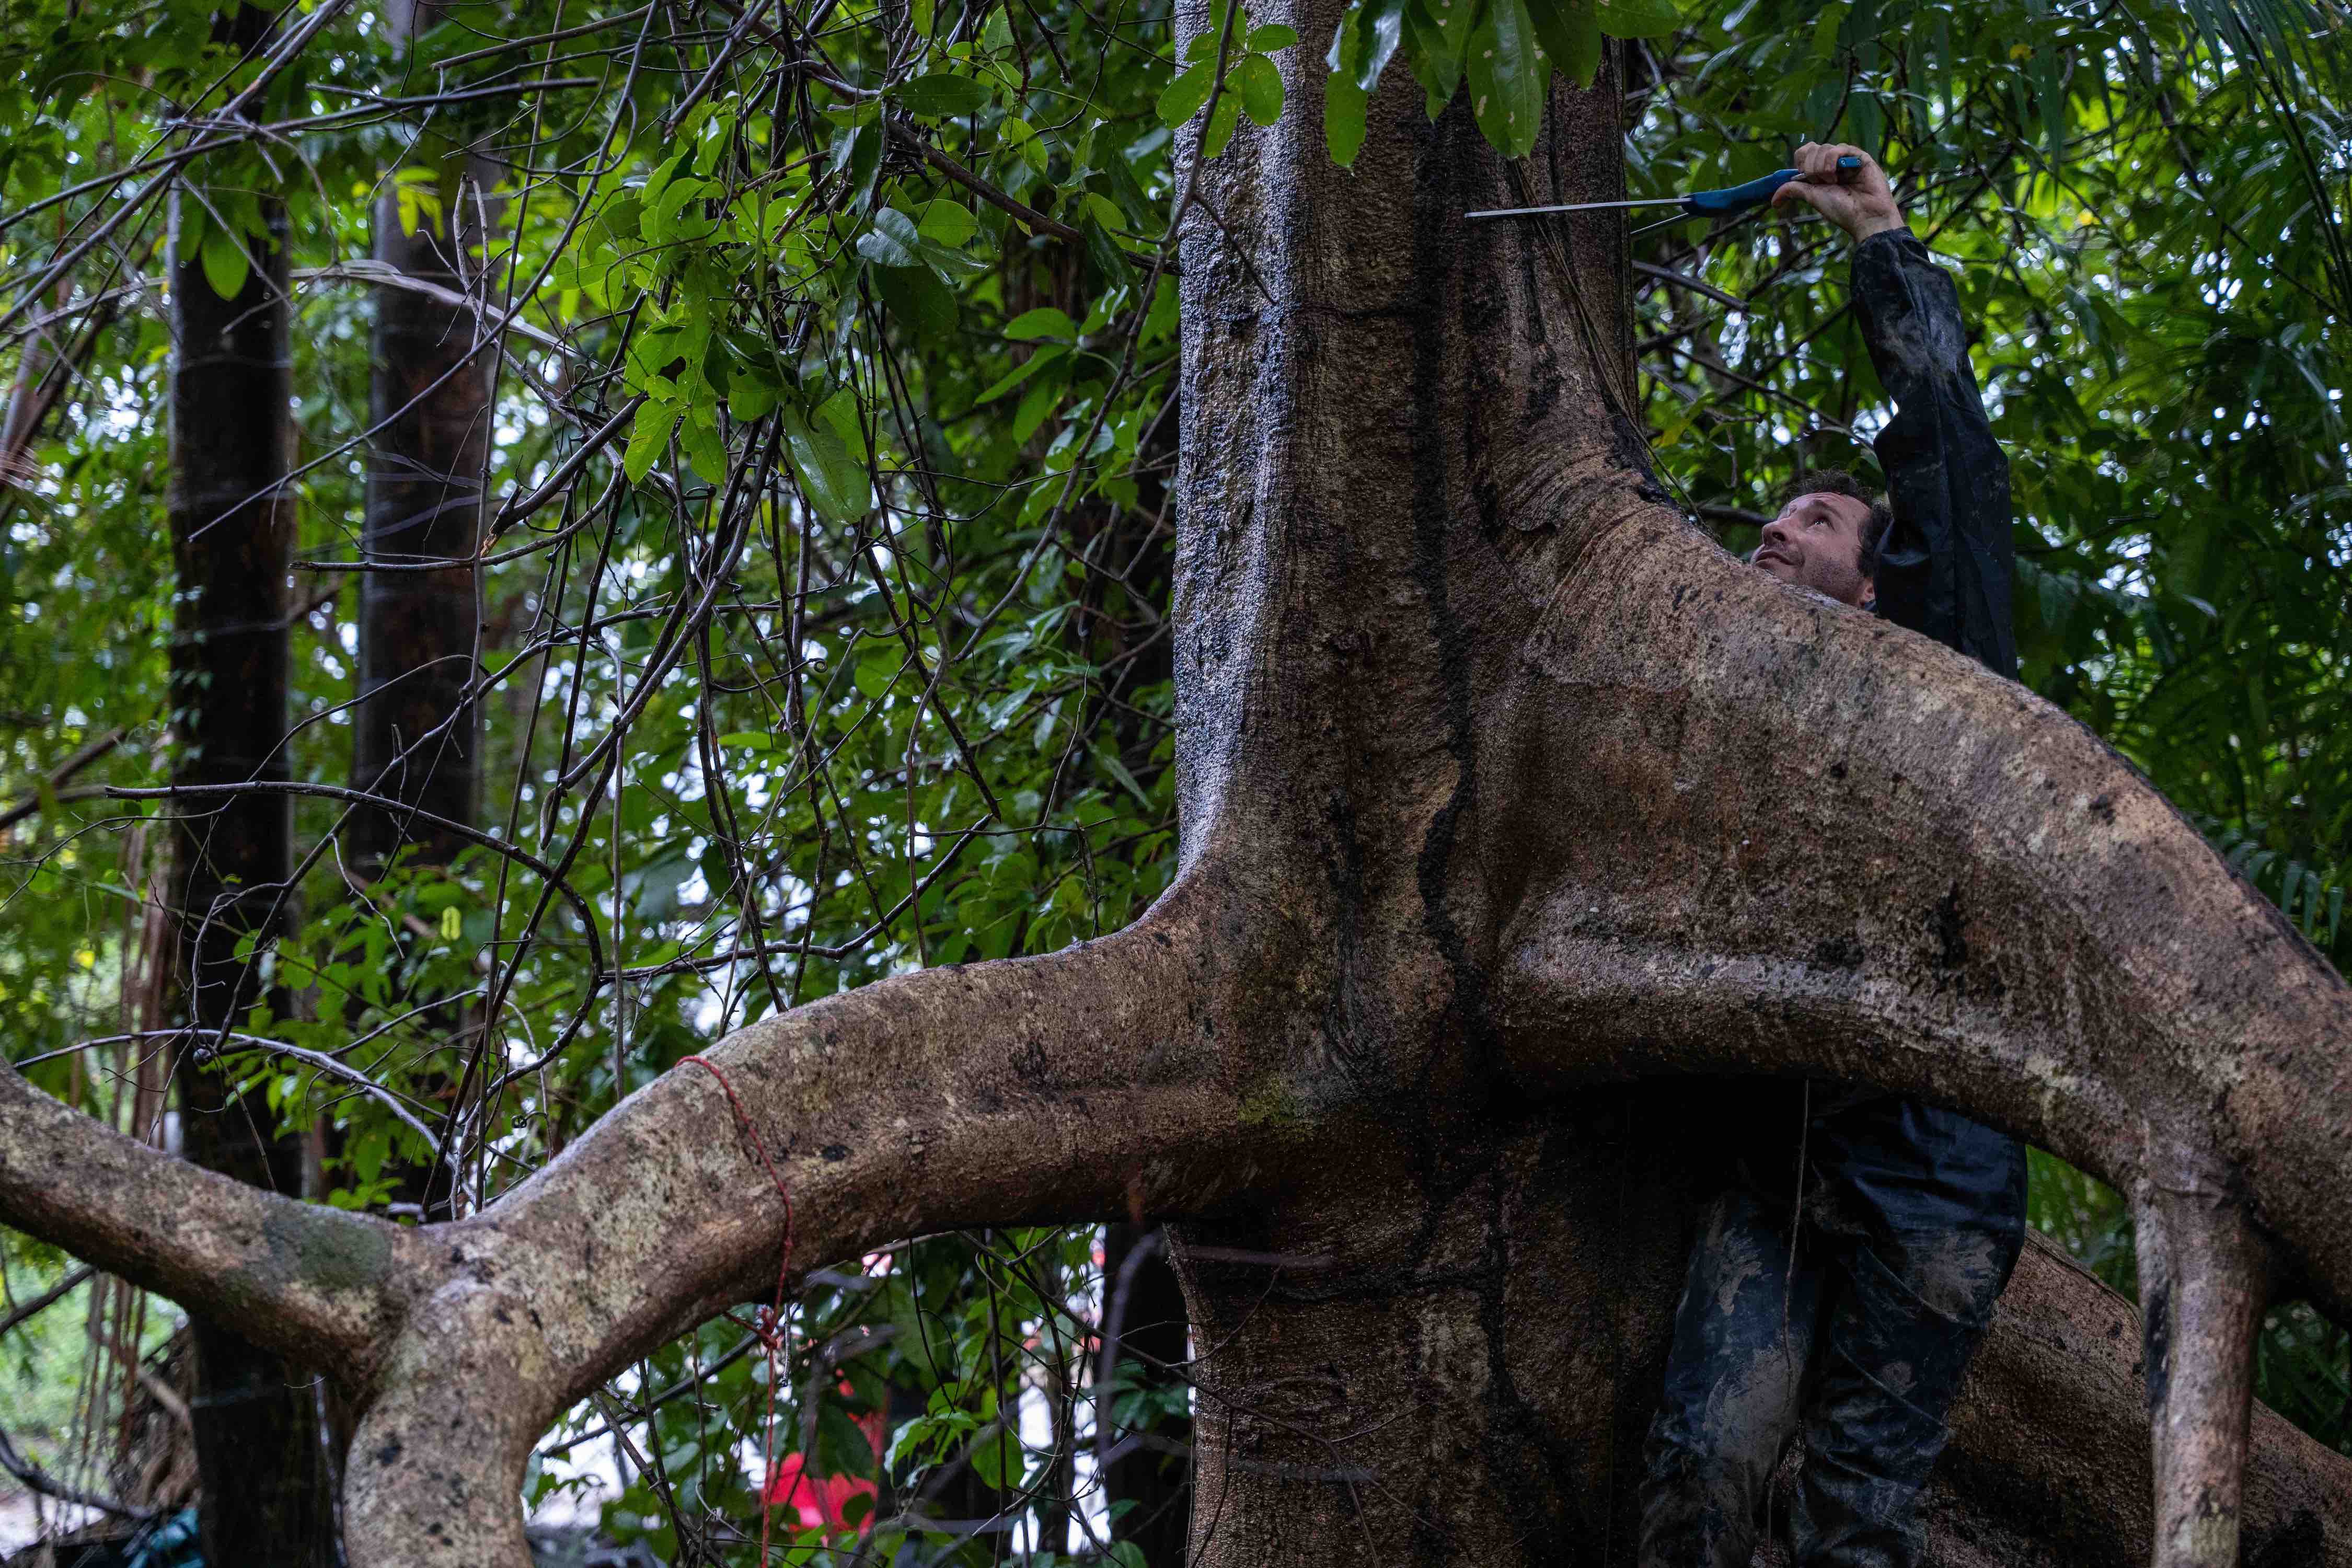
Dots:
{"x": 1862, "y": 207}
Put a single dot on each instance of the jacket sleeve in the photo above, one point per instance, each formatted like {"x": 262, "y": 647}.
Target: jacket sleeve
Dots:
{"x": 1944, "y": 566}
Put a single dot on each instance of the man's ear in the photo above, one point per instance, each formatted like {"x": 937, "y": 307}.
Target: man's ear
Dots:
{"x": 1868, "y": 595}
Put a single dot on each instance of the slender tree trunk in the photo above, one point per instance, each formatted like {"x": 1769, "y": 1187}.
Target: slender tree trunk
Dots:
{"x": 265, "y": 1494}
{"x": 417, "y": 740}
{"x": 1149, "y": 1469}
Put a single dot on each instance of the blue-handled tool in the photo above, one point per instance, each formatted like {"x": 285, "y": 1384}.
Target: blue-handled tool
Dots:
{"x": 1698, "y": 203}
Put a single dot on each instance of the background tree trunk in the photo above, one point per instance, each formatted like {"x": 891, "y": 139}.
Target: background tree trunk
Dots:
{"x": 265, "y": 1489}
{"x": 1151, "y": 1467}
{"x": 416, "y": 739}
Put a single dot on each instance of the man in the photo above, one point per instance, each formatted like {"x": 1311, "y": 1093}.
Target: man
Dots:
{"x": 1838, "y": 1285}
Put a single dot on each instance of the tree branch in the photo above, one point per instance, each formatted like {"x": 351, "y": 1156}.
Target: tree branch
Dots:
{"x": 1076, "y": 1085}
{"x": 320, "y": 1285}
{"x": 71, "y": 1280}
{"x": 1965, "y": 895}
{"x": 1961, "y": 894}
{"x": 59, "y": 774}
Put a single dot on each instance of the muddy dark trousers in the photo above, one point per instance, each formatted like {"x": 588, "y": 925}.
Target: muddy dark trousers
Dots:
{"x": 1860, "y": 1346}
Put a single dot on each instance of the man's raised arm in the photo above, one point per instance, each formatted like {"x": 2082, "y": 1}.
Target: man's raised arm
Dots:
{"x": 1944, "y": 566}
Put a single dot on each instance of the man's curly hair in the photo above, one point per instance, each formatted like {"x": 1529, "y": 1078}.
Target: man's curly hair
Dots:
{"x": 1838, "y": 482}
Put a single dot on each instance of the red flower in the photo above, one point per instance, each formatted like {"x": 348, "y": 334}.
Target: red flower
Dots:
{"x": 818, "y": 1501}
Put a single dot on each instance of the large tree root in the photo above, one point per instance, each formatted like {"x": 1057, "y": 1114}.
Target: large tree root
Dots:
{"x": 2049, "y": 1465}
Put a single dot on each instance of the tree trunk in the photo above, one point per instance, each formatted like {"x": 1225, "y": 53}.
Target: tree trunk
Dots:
{"x": 1537, "y": 778}
{"x": 264, "y": 1496}
{"x": 1149, "y": 1469}
{"x": 417, "y": 740}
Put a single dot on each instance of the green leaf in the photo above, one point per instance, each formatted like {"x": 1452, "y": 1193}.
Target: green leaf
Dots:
{"x": 1569, "y": 32}
{"x": 1035, "y": 405}
{"x": 416, "y": 198}
{"x": 948, "y": 223}
{"x": 1433, "y": 48}
{"x": 225, "y": 264}
{"x": 1118, "y": 770}
{"x": 665, "y": 218}
{"x": 878, "y": 670}
{"x": 1104, "y": 211}
{"x": 1044, "y": 322}
{"x": 893, "y": 241}
{"x": 865, "y": 156}
{"x": 835, "y": 483}
{"x": 996, "y": 1460}
{"x": 1456, "y": 20}
{"x": 649, "y": 434}
{"x": 1185, "y": 96}
{"x": 188, "y": 235}
{"x": 660, "y": 178}
{"x": 1021, "y": 372}
{"x": 1638, "y": 18}
{"x": 1825, "y": 29}
{"x": 699, "y": 434}
{"x": 922, "y": 13}
{"x": 1161, "y": 322}
{"x": 1344, "y": 102}
{"x": 1019, "y": 134}
{"x": 1221, "y": 122}
{"x": 1272, "y": 36}
{"x": 841, "y": 411}
{"x": 940, "y": 96}
{"x": 918, "y": 298}
{"x": 1382, "y": 28}
{"x": 1507, "y": 78}
{"x": 750, "y": 395}
{"x": 1259, "y": 86}
{"x": 951, "y": 264}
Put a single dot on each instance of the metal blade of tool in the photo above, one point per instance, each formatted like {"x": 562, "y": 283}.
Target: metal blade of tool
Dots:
{"x": 1721, "y": 202}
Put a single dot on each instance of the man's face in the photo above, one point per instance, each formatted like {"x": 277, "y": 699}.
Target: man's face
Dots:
{"x": 1816, "y": 543}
